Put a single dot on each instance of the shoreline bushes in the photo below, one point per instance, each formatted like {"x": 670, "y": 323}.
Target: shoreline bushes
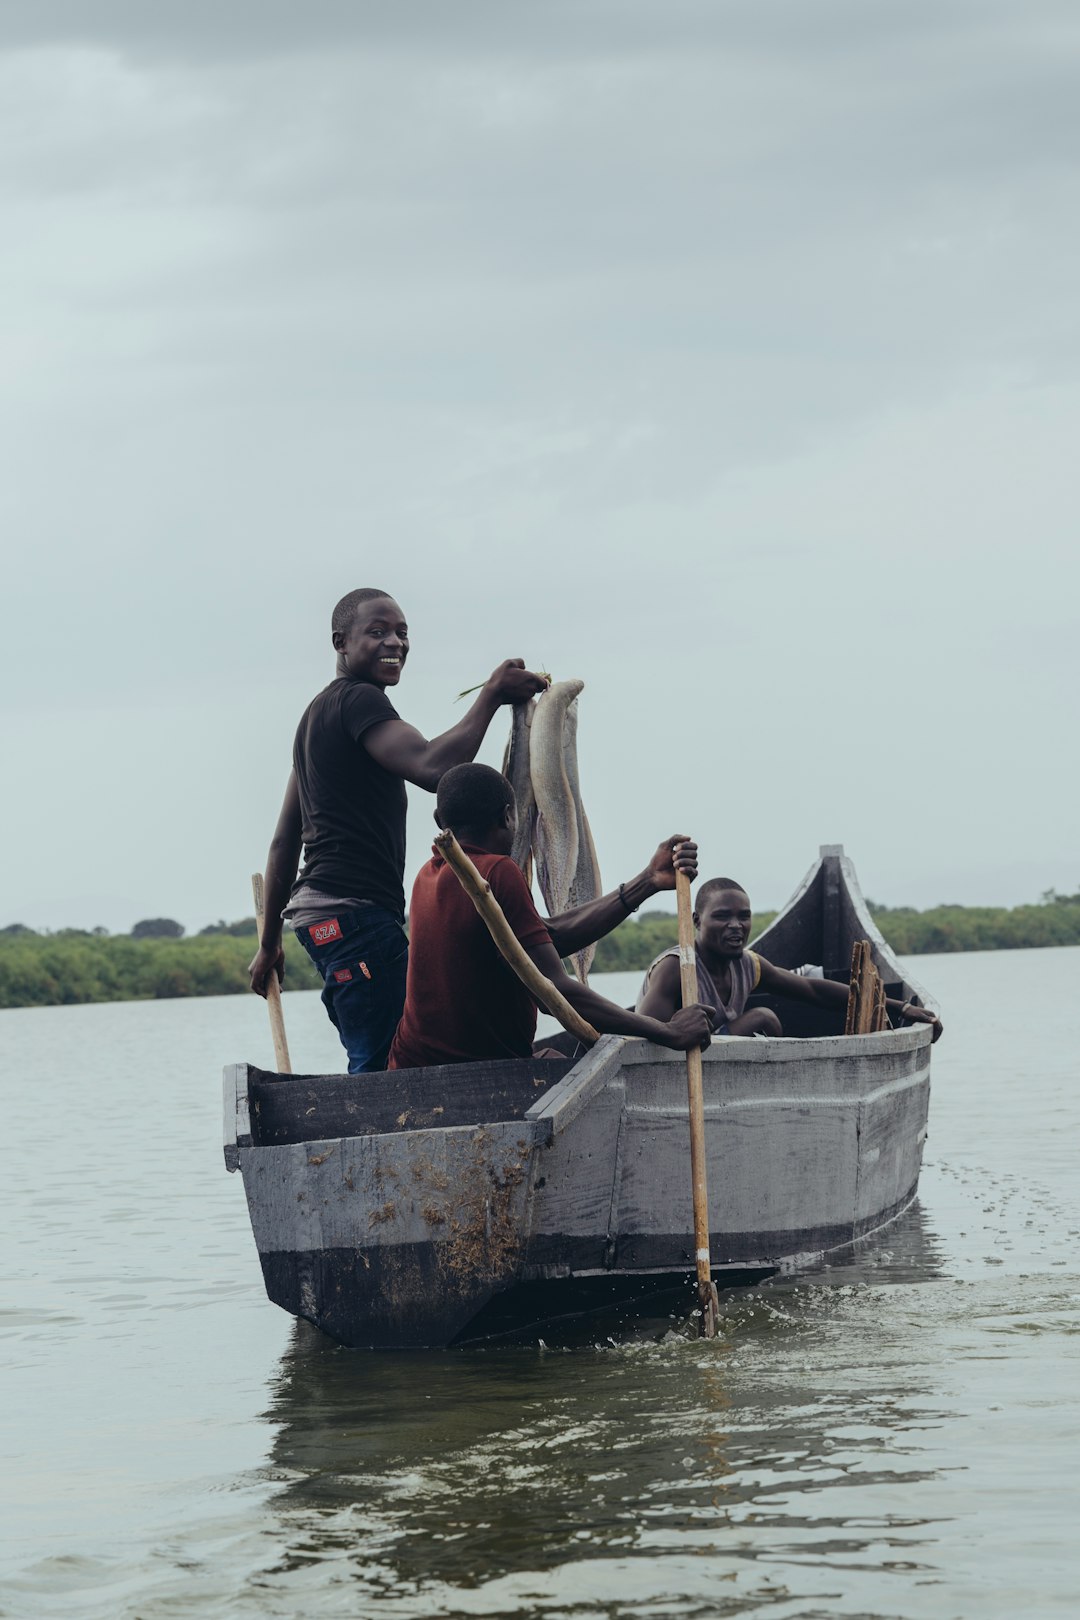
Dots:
{"x": 75, "y": 966}
{"x": 69, "y": 968}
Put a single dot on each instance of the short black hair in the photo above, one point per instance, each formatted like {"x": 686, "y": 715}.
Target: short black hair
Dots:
{"x": 345, "y": 611}
{"x": 472, "y": 796}
{"x": 713, "y": 886}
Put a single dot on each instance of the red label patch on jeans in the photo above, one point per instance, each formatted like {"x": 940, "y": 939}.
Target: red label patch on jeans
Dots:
{"x": 342, "y": 975}
{"x": 322, "y": 933}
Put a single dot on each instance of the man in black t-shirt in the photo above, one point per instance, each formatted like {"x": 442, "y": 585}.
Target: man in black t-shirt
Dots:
{"x": 345, "y": 803}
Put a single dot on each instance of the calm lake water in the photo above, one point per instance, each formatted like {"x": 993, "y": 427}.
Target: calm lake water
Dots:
{"x": 894, "y": 1437}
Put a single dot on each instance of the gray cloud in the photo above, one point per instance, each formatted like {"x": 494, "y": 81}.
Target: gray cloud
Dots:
{"x": 723, "y": 354}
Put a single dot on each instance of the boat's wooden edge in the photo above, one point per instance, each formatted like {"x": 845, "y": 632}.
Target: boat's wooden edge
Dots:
{"x": 564, "y": 1101}
{"x": 813, "y": 1048}
{"x": 558, "y": 1107}
{"x": 237, "y": 1120}
{"x": 737, "y": 1049}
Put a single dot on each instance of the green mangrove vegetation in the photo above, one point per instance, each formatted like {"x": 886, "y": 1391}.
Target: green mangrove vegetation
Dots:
{"x": 1055, "y": 920}
{"x": 156, "y": 961}
{"x": 55, "y": 970}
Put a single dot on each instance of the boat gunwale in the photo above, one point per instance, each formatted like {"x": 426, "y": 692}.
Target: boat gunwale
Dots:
{"x": 557, "y": 1108}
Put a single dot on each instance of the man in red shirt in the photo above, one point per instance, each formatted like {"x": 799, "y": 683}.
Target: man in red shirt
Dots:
{"x": 463, "y": 1001}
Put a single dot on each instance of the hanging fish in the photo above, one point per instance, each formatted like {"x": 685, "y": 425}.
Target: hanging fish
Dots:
{"x": 517, "y": 770}
{"x": 556, "y": 842}
{"x": 585, "y": 884}
{"x": 567, "y": 869}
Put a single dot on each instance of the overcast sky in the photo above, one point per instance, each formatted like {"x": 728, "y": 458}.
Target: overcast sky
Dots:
{"x": 726, "y": 356}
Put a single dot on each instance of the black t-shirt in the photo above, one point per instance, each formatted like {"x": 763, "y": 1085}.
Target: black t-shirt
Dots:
{"x": 353, "y": 810}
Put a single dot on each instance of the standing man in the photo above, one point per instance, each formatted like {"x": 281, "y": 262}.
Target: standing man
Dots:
{"x": 345, "y": 804}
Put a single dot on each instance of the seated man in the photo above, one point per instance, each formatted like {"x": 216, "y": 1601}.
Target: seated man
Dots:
{"x": 728, "y": 973}
{"x": 463, "y": 1001}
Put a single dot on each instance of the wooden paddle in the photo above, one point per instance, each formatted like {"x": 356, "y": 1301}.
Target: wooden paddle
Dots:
{"x": 707, "y": 1296}
{"x": 273, "y": 988}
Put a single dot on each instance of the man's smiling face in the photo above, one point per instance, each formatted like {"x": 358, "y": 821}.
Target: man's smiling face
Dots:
{"x": 376, "y": 644}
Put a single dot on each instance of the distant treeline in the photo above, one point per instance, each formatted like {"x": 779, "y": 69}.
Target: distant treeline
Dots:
{"x": 1054, "y": 921}
{"x": 154, "y": 961}
{"x": 54, "y": 970}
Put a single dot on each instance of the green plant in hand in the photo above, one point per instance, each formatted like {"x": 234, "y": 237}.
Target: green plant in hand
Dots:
{"x": 469, "y": 690}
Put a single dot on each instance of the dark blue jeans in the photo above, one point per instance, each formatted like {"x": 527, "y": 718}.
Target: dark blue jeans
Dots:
{"x": 362, "y": 956}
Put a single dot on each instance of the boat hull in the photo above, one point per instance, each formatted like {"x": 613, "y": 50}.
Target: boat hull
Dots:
{"x": 403, "y": 1238}
{"x": 438, "y": 1206}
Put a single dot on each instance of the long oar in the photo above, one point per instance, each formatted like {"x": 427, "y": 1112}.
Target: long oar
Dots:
{"x": 707, "y": 1297}
{"x": 273, "y": 989}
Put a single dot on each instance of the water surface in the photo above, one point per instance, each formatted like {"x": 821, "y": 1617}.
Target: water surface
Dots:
{"x": 894, "y": 1436}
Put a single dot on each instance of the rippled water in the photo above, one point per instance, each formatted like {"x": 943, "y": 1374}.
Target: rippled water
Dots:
{"x": 896, "y": 1436}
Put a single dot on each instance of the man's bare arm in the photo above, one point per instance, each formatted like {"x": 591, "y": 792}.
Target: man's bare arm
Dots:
{"x": 778, "y": 981}
{"x": 663, "y": 996}
{"x": 400, "y": 748}
{"x": 571, "y": 930}
{"x": 281, "y": 867}
{"x": 685, "y": 1030}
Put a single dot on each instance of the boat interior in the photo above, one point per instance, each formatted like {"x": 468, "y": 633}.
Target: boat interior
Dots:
{"x": 817, "y": 929}
{"x": 316, "y": 1108}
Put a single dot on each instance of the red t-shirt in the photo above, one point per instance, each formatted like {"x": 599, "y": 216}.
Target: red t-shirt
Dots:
{"x": 463, "y": 1001}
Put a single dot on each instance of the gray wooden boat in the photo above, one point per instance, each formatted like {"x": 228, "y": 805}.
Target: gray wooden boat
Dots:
{"x": 439, "y": 1206}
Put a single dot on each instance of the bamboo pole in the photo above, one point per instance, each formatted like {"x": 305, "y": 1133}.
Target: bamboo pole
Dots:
{"x": 273, "y": 988}
{"x": 479, "y": 892}
{"x": 707, "y": 1296}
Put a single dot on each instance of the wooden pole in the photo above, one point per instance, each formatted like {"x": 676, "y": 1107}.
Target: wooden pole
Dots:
{"x": 707, "y": 1296}
{"x": 866, "y": 1009}
{"x": 479, "y": 892}
{"x": 273, "y": 989}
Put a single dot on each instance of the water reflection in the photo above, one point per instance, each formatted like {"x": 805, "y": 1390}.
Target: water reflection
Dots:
{"x": 441, "y": 1474}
